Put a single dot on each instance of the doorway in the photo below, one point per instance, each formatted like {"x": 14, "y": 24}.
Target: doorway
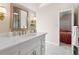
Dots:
{"x": 65, "y": 30}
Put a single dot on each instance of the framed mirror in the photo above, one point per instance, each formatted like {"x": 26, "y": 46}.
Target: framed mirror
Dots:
{"x": 19, "y": 18}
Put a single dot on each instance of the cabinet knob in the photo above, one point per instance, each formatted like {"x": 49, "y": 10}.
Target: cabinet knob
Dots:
{"x": 34, "y": 52}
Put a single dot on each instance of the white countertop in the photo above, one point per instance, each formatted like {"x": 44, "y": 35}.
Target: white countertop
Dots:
{"x": 6, "y": 41}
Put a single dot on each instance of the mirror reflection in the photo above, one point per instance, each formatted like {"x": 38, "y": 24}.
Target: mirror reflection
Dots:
{"x": 19, "y": 19}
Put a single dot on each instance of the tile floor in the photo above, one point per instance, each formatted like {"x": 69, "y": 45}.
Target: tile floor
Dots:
{"x": 63, "y": 49}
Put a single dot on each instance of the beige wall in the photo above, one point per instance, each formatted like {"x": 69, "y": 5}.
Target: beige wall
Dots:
{"x": 5, "y": 24}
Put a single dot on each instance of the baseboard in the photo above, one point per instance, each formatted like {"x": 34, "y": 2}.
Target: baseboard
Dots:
{"x": 52, "y": 43}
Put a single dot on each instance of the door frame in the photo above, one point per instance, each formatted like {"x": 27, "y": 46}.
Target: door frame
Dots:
{"x": 72, "y": 23}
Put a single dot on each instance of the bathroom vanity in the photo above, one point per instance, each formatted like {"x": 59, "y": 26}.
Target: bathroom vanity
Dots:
{"x": 28, "y": 44}
{"x": 18, "y": 41}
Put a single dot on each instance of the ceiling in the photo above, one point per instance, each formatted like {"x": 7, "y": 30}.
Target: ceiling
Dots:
{"x": 34, "y": 6}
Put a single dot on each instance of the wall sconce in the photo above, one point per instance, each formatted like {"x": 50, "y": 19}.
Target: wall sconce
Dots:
{"x": 2, "y": 13}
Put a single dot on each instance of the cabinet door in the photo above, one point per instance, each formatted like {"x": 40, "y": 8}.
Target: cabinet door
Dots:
{"x": 42, "y": 38}
{"x": 28, "y": 46}
{"x": 35, "y": 51}
{"x": 38, "y": 50}
{"x": 10, "y": 51}
{"x": 32, "y": 51}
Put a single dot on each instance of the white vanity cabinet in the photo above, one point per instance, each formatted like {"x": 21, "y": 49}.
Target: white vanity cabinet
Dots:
{"x": 10, "y": 51}
{"x": 36, "y": 46}
{"x": 43, "y": 45}
{"x": 32, "y": 45}
{"x": 34, "y": 51}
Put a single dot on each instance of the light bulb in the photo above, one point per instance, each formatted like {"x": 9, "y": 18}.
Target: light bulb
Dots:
{"x": 2, "y": 10}
{"x": 34, "y": 18}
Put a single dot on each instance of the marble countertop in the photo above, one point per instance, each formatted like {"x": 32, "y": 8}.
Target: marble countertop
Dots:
{"x": 9, "y": 41}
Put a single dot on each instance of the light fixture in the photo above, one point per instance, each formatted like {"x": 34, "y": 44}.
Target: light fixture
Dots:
{"x": 2, "y": 13}
{"x": 34, "y": 18}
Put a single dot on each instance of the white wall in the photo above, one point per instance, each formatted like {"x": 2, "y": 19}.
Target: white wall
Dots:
{"x": 31, "y": 6}
{"x": 47, "y": 20}
{"x": 5, "y": 24}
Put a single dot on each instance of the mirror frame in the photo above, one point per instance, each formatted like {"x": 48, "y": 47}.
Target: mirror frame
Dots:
{"x": 11, "y": 18}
